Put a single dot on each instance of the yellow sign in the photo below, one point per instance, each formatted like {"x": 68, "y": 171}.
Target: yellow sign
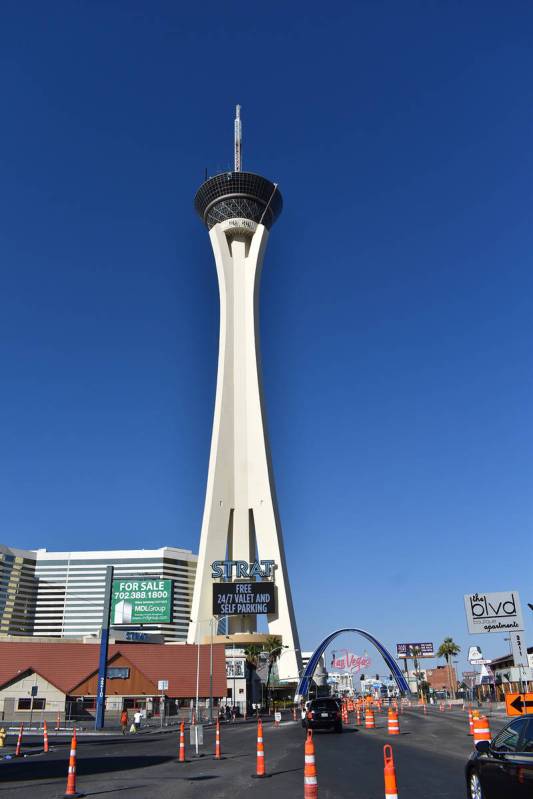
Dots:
{"x": 518, "y": 704}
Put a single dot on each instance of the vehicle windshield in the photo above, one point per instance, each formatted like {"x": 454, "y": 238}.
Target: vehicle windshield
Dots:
{"x": 323, "y": 704}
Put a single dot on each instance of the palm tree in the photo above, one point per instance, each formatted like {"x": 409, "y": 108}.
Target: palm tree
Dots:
{"x": 447, "y": 650}
{"x": 273, "y": 646}
{"x": 252, "y": 652}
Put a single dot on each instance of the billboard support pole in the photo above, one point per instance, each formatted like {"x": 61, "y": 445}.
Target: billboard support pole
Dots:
{"x": 104, "y": 647}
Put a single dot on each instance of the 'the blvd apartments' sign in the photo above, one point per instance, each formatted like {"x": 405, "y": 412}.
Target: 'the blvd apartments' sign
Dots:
{"x": 493, "y": 613}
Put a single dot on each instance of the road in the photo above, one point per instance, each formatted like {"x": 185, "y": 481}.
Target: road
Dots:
{"x": 430, "y": 754}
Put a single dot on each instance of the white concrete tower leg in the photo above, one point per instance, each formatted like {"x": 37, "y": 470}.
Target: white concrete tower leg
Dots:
{"x": 240, "y": 514}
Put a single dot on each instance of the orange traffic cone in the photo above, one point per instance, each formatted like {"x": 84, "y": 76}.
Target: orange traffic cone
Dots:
{"x": 181, "y": 757}
{"x": 18, "y": 752}
{"x": 58, "y": 721}
{"x": 71, "y": 779}
{"x": 358, "y": 715}
{"x": 481, "y": 730}
{"x": 370, "y": 719}
{"x": 218, "y": 754}
{"x": 310, "y": 779}
{"x": 294, "y": 713}
{"x": 470, "y": 723}
{"x": 260, "y": 767}
{"x": 45, "y": 737}
{"x": 393, "y": 723}
{"x": 391, "y": 789}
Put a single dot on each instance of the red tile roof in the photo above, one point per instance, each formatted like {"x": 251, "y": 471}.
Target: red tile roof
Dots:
{"x": 66, "y": 665}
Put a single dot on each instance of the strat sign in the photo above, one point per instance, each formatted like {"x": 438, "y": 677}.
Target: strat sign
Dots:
{"x": 493, "y": 613}
{"x": 228, "y": 569}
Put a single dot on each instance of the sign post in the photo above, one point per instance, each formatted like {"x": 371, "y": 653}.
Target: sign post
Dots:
{"x": 104, "y": 646}
{"x": 162, "y": 685}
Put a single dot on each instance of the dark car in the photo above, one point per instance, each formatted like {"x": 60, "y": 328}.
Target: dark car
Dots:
{"x": 323, "y": 714}
{"x": 503, "y": 767}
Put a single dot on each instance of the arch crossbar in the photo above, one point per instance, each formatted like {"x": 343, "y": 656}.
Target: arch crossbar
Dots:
{"x": 303, "y": 685}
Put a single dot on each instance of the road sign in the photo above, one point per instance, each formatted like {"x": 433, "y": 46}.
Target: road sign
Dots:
{"x": 277, "y": 717}
{"x": 518, "y": 646}
{"x": 499, "y": 612}
{"x": 141, "y": 601}
{"x": 518, "y": 704}
{"x": 162, "y": 685}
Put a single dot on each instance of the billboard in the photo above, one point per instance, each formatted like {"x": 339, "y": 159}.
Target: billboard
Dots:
{"x": 235, "y": 599}
{"x": 493, "y": 613}
{"x": 420, "y": 650}
{"x": 141, "y": 601}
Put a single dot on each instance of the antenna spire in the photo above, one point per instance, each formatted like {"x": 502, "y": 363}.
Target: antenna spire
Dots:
{"x": 238, "y": 139}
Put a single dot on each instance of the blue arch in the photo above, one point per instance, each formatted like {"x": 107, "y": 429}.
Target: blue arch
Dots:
{"x": 303, "y": 685}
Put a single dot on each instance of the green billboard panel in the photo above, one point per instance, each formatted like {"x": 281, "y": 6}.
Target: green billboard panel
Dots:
{"x": 141, "y": 601}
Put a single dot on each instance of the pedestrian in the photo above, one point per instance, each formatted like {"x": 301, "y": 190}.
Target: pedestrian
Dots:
{"x": 124, "y": 721}
{"x": 137, "y": 720}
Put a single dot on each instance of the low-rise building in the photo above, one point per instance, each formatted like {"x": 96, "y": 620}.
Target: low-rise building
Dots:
{"x": 47, "y": 679}
{"x": 442, "y": 678}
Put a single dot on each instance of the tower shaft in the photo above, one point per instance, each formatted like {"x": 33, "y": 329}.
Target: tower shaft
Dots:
{"x": 240, "y": 520}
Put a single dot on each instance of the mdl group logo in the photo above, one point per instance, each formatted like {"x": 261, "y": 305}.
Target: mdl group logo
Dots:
{"x": 493, "y": 613}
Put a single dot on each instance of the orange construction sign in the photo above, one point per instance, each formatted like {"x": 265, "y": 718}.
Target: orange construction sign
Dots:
{"x": 518, "y": 704}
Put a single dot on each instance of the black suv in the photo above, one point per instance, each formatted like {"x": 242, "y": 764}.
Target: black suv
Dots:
{"x": 503, "y": 767}
{"x": 323, "y": 714}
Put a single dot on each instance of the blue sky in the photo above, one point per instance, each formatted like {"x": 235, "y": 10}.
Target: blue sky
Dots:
{"x": 396, "y": 297}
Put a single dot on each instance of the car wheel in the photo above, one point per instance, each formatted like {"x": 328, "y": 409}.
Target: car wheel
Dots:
{"x": 474, "y": 786}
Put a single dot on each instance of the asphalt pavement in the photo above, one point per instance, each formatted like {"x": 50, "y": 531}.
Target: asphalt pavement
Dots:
{"x": 430, "y": 754}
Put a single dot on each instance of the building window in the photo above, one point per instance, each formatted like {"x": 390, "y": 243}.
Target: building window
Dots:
{"x": 39, "y": 703}
{"x": 115, "y": 673}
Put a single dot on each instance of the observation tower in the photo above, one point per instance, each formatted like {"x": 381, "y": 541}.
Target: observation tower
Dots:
{"x": 241, "y": 520}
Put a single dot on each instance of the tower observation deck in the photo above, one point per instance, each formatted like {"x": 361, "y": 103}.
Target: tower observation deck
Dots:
{"x": 242, "y": 195}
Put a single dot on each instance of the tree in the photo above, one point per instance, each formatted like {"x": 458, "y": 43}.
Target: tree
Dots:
{"x": 447, "y": 650}
{"x": 252, "y": 652}
{"x": 273, "y": 646}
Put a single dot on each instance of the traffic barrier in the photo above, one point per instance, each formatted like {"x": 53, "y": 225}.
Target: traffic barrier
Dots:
{"x": 344, "y": 715}
{"x": 481, "y": 730}
{"x": 294, "y": 713}
{"x": 218, "y": 754}
{"x": 310, "y": 778}
{"x": 393, "y": 723}
{"x": 441, "y": 707}
{"x": 370, "y": 719}
{"x": 260, "y": 764}
{"x": 470, "y": 723}
{"x": 181, "y": 757}
{"x": 358, "y": 715}
{"x": 45, "y": 737}
{"x": 58, "y": 721}
{"x": 18, "y": 752}
{"x": 71, "y": 778}
{"x": 389, "y": 773}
